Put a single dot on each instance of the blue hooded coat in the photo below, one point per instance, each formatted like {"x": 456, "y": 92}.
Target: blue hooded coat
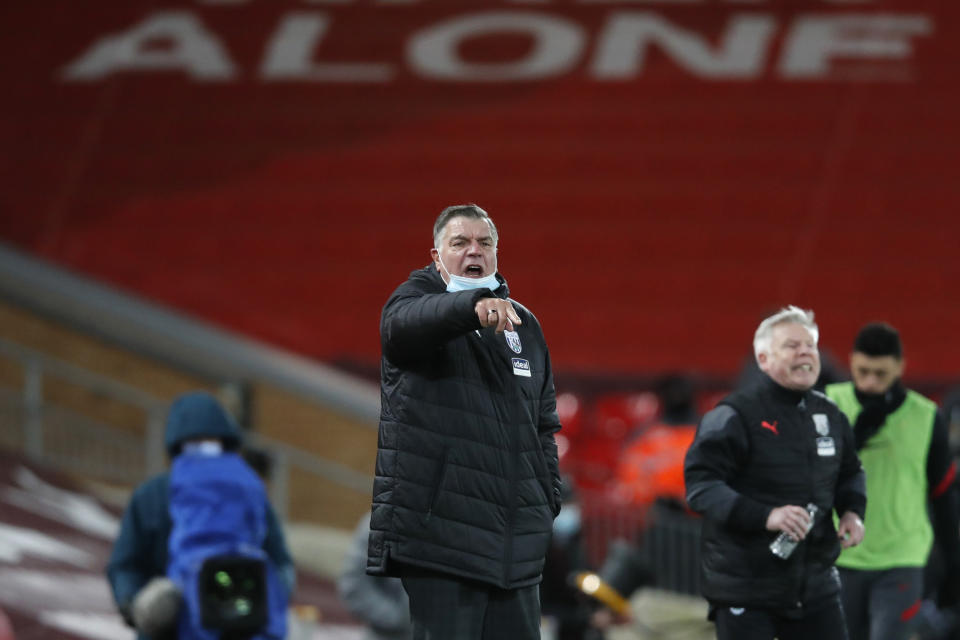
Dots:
{"x": 149, "y": 542}
{"x": 218, "y": 507}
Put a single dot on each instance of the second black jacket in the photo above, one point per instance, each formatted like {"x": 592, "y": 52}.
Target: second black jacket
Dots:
{"x": 762, "y": 448}
{"x": 467, "y": 478}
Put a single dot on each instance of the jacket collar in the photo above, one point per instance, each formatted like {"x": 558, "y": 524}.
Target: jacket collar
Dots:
{"x": 781, "y": 393}
{"x": 887, "y": 402}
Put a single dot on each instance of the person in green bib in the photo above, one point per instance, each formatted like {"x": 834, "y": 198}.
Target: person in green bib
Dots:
{"x": 902, "y": 442}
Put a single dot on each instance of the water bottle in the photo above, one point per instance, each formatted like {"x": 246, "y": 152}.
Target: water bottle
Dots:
{"x": 783, "y": 545}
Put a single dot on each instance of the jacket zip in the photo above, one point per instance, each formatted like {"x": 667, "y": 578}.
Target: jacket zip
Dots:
{"x": 811, "y": 464}
{"x": 493, "y": 351}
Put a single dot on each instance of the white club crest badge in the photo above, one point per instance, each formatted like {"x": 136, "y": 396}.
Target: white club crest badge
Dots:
{"x": 821, "y": 423}
{"x": 513, "y": 341}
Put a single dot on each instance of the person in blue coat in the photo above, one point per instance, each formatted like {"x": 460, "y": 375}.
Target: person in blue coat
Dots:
{"x": 161, "y": 529}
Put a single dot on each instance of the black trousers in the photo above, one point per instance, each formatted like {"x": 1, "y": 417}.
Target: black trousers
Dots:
{"x": 826, "y": 622}
{"x": 445, "y": 607}
{"x": 881, "y": 605}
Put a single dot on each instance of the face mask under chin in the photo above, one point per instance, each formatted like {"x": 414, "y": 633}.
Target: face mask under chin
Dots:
{"x": 462, "y": 283}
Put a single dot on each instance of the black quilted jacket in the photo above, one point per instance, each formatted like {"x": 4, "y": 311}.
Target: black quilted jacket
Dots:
{"x": 467, "y": 481}
{"x": 765, "y": 447}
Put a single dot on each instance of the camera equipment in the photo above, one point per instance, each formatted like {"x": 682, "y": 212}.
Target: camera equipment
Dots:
{"x": 233, "y": 595}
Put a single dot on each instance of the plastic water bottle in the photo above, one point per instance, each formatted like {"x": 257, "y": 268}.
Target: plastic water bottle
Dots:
{"x": 783, "y": 545}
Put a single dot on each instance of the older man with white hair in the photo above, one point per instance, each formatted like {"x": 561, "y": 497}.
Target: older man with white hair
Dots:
{"x": 767, "y": 469}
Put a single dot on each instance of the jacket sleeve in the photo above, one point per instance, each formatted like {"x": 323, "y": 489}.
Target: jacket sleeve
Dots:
{"x": 547, "y": 426}
{"x": 941, "y": 476}
{"x": 713, "y": 461}
{"x": 128, "y": 568}
{"x": 851, "y": 493}
{"x": 414, "y": 322}
{"x": 275, "y": 546}
{"x": 379, "y": 601}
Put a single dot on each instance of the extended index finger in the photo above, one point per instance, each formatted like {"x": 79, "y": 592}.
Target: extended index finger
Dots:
{"x": 503, "y": 322}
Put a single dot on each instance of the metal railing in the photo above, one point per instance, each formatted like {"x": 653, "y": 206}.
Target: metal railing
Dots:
{"x": 64, "y": 437}
{"x": 167, "y": 335}
{"x": 667, "y": 539}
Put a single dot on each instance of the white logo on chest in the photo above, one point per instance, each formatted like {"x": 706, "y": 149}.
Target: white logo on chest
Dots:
{"x": 513, "y": 341}
{"x": 821, "y": 423}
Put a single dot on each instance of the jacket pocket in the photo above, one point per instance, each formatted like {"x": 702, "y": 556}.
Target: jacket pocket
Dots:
{"x": 546, "y": 480}
{"x": 435, "y": 491}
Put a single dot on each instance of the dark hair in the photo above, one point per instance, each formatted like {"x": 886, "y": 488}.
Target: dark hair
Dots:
{"x": 461, "y": 211}
{"x": 878, "y": 339}
{"x": 677, "y": 395}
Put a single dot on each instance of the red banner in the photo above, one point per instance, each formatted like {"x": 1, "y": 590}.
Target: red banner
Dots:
{"x": 662, "y": 173}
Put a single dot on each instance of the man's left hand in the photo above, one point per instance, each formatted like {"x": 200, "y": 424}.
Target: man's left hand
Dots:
{"x": 850, "y": 530}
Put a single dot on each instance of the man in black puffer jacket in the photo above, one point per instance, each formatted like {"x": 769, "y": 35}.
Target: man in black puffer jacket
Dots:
{"x": 757, "y": 460}
{"x": 467, "y": 482}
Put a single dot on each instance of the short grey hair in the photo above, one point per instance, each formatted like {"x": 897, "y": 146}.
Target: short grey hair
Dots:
{"x": 461, "y": 211}
{"x": 761, "y": 339}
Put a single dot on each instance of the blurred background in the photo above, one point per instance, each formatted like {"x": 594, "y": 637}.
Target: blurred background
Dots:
{"x": 221, "y": 194}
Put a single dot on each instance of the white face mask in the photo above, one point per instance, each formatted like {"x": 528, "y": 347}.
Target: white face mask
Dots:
{"x": 462, "y": 283}
{"x": 204, "y": 447}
